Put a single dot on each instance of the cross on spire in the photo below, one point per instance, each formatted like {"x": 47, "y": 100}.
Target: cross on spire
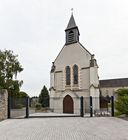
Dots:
{"x": 72, "y": 11}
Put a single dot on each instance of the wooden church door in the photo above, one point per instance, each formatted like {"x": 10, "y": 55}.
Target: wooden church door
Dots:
{"x": 68, "y": 106}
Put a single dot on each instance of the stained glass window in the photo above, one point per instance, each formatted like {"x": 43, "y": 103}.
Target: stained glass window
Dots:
{"x": 68, "y": 75}
{"x": 75, "y": 74}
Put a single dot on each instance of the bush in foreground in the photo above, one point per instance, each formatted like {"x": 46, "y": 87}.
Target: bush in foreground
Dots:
{"x": 121, "y": 104}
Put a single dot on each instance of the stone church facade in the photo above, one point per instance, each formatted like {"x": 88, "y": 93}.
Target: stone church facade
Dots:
{"x": 74, "y": 73}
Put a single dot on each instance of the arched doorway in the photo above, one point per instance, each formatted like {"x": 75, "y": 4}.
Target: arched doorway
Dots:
{"x": 68, "y": 105}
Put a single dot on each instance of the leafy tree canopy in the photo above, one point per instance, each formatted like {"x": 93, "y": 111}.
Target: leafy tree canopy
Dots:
{"x": 21, "y": 94}
{"x": 9, "y": 68}
{"x": 122, "y": 92}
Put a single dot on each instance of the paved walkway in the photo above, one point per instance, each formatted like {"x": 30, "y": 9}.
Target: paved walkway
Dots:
{"x": 51, "y": 114}
{"x": 72, "y": 128}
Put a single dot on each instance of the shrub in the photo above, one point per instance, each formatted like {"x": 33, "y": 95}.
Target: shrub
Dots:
{"x": 121, "y": 104}
{"x": 38, "y": 106}
{"x": 19, "y": 106}
{"x": 117, "y": 114}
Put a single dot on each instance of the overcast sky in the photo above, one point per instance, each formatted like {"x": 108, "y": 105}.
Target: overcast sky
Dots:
{"x": 34, "y": 29}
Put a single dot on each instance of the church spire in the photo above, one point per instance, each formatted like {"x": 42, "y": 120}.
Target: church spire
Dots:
{"x": 72, "y": 31}
{"x": 71, "y": 23}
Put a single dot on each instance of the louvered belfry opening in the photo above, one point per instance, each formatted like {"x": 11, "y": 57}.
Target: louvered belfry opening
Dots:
{"x": 71, "y": 37}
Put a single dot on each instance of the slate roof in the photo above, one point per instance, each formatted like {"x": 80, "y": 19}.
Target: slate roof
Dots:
{"x": 123, "y": 82}
{"x": 71, "y": 23}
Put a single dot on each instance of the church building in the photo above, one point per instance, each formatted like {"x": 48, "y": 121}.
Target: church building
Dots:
{"x": 74, "y": 73}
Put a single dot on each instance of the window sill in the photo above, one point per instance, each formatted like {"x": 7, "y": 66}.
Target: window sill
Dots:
{"x": 75, "y": 85}
{"x": 68, "y": 87}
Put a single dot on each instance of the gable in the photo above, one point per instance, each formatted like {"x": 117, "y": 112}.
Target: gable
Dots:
{"x": 73, "y": 54}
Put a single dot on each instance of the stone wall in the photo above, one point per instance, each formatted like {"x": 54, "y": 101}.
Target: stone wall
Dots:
{"x": 3, "y": 104}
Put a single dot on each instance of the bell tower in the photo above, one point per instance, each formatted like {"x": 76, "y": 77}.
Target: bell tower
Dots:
{"x": 72, "y": 32}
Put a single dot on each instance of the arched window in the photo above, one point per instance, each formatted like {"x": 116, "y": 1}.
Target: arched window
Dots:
{"x": 71, "y": 36}
{"x": 68, "y": 75}
{"x": 75, "y": 74}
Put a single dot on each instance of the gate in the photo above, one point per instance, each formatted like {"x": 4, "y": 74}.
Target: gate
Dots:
{"x": 18, "y": 107}
{"x": 97, "y": 106}
{"x": 80, "y": 106}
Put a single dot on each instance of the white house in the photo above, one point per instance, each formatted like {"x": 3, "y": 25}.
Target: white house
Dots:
{"x": 74, "y": 73}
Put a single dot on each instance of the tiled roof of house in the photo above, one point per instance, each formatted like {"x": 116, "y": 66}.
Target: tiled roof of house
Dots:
{"x": 123, "y": 82}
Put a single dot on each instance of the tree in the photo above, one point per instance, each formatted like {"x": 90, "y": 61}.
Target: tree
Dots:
{"x": 121, "y": 103}
{"x": 22, "y": 94}
{"x": 44, "y": 97}
{"x": 9, "y": 68}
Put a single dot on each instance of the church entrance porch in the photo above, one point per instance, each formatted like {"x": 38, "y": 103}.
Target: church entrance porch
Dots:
{"x": 68, "y": 104}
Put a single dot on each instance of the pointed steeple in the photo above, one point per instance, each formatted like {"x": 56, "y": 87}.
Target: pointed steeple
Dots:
{"x": 71, "y": 23}
{"x": 72, "y": 31}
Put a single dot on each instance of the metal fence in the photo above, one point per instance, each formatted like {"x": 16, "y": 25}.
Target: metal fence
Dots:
{"x": 17, "y": 107}
{"x": 77, "y": 106}
{"x": 82, "y": 106}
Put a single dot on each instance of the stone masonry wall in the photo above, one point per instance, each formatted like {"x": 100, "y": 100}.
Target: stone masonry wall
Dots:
{"x": 3, "y": 104}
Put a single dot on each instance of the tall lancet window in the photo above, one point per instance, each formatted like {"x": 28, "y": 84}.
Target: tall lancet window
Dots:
{"x": 68, "y": 73}
{"x": 71, "y": 36}
{"x": 75, "y": 74}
